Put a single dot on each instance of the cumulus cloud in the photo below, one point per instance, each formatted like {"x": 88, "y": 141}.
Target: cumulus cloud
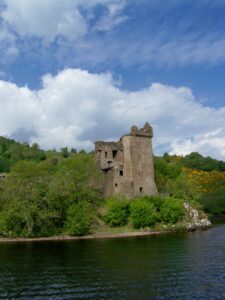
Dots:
{"x": 208, "y": 143}
{"x": 75, "y": 108}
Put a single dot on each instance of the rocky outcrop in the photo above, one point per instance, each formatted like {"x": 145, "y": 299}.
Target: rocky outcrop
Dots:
{"x": 195, "y": 219}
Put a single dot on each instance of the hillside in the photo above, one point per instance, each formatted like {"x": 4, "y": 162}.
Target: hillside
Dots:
{"x": 11, "y": 152}
{"x": 52, "y": 193}
{"x": 194, "y": 178}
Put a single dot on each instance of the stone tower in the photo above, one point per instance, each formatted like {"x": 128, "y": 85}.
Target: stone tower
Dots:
{"x": 128, "y": 164}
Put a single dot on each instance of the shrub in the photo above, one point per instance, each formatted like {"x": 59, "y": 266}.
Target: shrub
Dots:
{"x": 79, "y": 218}
{"x": 117, "y": 212}
{"x": 143, "y": 213}
{"x": 172, "y": 210}
{"x": 157, "y": 201}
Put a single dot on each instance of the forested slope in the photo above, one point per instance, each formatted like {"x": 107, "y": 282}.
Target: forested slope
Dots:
{"x": 60, "y": 192}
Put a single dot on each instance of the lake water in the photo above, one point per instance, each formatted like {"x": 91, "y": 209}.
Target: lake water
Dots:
{"x": 172, "y": 266}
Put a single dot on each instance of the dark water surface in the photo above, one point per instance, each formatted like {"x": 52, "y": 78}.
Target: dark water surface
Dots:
{"x": 173, "y": 266}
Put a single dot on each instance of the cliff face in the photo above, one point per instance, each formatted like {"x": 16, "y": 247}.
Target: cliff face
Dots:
{"x": 195, "y": 219}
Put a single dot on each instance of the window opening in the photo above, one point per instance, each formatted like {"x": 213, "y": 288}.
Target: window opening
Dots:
{"x": 114, "y": 152}
{"x": 141, "y": 190}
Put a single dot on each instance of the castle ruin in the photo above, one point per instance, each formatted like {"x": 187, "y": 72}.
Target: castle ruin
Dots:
{"x": 128, "y": 164}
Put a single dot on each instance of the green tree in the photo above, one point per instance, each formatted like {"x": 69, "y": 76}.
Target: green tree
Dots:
{"x": 23, "y": 201}
{"x": 186, "y": 188}
{"x": 172, "y": 210}
{"x": 76, "y": 179}
{"x": 73, "y": 150}
{"x": 79, "y": 218}
{"x": 65, "y": 152}
{"x": 143, "y": 213}
{"x": 117, "y": 212}
{"x": 197, "y": 161}
{"x": 214, "y": 202}
{"x": 165, "y": 174}
{"x": 4, "y": 165}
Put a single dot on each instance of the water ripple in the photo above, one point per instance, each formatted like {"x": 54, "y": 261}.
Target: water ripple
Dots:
{"x": 181, "y": 266}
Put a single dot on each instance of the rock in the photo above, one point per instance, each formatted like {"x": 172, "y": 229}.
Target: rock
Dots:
{"x": 196, "y": 219}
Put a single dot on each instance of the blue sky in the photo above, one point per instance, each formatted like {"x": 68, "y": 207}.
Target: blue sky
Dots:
{"x": 147, "y": 60}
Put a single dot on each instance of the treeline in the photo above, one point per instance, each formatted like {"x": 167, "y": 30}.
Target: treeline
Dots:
{"x": 197, "y": 161}
{"x": 11, "y": 152}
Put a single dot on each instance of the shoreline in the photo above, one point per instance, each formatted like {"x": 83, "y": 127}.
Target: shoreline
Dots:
{"x": 94, "y": 236}
{"x": 85, "y": 237}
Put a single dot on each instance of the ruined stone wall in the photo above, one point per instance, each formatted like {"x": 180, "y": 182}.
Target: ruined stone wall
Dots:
{"x": 128, "y": 164}
{"x": 114, "y": 182}
{"x": 108, "y": 154}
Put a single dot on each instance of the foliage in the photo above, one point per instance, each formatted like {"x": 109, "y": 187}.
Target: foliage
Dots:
{"x": 156, "y": 200}
{"x": 143, "y": 213}
{"x": 214, "y": 202}
{"x": 197, "y": 161}
{"x": 207, "y": 181}
{"x": 23, "y": 201}
{"x": 26, "y": 219}
{"x": 172, "y": 210}
{"x": 46, "y": 192}
{"x": 12, "y": 152}
{"x": 185, "y": 187}
{"x": 165, "y": 174}
{"x": 117, "y": 212}
{"x": 65, "y": 152}
{"x": 192, "y": 178}
{"x": 79, "y": 218}
{"x": 35, "y": 196}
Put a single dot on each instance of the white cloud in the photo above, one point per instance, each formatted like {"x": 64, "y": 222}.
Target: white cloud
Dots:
{"x": 51, "y": 19}
{"x": 44, "y": 19}
{"x": 113, "y": 16}
{"x": 19, "y": 108}
{"x": 75, "y": 24}
{"x": 75, "y": 108}
{"x": 212, "y": 142}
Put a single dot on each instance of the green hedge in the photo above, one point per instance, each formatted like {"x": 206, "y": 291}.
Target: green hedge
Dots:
{"x": 144, "y": 211}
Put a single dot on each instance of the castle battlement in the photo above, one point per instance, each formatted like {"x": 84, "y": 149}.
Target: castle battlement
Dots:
{"x": 146, "y": 131}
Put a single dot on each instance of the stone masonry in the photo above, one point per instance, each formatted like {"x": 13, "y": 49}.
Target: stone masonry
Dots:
{"x": 128, "y": 165}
